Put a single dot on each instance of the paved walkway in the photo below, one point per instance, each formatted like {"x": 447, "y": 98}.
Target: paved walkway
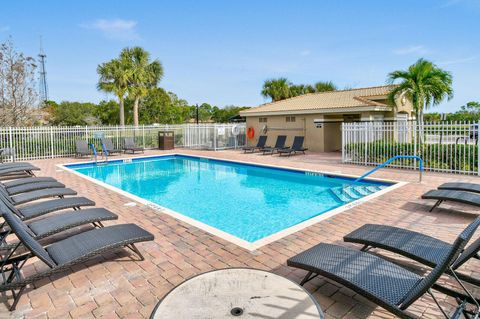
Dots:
{"x": 114, "y": 286}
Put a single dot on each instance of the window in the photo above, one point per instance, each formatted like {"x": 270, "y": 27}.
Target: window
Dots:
{"x": 262, "y": 120}
{"x": 290, "y": 119}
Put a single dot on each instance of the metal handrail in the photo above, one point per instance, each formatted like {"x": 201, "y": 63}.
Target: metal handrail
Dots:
{"x": 420, "y": 167}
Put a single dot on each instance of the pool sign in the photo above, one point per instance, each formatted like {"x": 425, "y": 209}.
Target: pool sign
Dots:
{"x": 98, "y": 134}
{"x": 221, "y": 131}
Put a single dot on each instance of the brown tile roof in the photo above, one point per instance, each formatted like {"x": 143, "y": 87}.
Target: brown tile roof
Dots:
{"x": 361, "y": 97}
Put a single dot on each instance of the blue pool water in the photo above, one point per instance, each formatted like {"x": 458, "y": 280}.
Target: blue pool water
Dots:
{"x": 247, "y": 201}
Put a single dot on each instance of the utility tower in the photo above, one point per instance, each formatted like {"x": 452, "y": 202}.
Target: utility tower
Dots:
{"x": 43, "y": 76}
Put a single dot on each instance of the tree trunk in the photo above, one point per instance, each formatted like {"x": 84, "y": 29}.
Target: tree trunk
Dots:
{"x": 122, "y": 112}
{"x": 135, "y": 111}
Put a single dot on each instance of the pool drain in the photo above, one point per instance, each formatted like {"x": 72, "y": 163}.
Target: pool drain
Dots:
{"x": 236, "y": 312}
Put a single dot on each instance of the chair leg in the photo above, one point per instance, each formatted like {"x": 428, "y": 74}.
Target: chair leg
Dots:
{"x": 436, "y": 205}
{"x": 307, "y": 278}
{"x": 133, "y": 248}
{"x": 16, "y": 297}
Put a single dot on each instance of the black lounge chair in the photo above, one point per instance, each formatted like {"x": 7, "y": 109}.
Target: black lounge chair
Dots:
{"x": 20, "y": 170}
{"x": 41, "y": 194}
{"x": 107, "y": 145}
{"x": 63, "y": 254}
{"x": 57, "y": 223}
{"x": 297, "y": 146}
{"x": 82, "y": 148}
{"x": 129, "y": 145}
{"x": 34, "y": 210}
{"x": 27, "y": 180}
{"x": 460, "y": 186}
{"x": 442, "y": 195}
{"x": 390, "y": 286}
{"x": 29, "y": 187}
{"x": 422, "y": 248}
{"x": 262, "y": 140}
{"x": 279, "y": 144}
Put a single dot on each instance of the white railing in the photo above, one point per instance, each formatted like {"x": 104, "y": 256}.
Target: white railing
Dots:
{"x": 444, "y": 147}
{"x": 29, "y": 143}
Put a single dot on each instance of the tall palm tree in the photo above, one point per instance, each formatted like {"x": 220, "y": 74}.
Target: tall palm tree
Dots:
{"x": 143, "y": 75}
{"x": 276, "y": 89}
{"x": 114, "y": 79}
{"x": 423, "y": 84}
{"x": 325, "y": 86}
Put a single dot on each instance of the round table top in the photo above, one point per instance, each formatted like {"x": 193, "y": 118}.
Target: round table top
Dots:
{"x": 238, "y": 293}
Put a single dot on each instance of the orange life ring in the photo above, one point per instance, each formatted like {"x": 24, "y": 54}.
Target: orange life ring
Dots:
{"x": 250, "y": 133}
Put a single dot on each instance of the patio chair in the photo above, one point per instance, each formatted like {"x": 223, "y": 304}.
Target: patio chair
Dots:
{"x": 27, "y": 181}
{"x": 388, "y": 285}
{"x": 64, "y": 254}
{"x": 279, "y": 144}
{"x": 34, "y": 210}
{"x": 26, "y": 197}
{"x": 57, "y": 223}
{"x": 297, "y": 146}
{"x": 28, "y": 187}
{"x": 82, "y": 148}
{"x": 18, "y": 170}
{"x": 262, "y": 140}
{"x": 424, "y": 249}
{"x": 442, "y": 195}
{"x": 107, "y": 145}
{"x": 129, "y": 145}
{"x": 460, "y": 186}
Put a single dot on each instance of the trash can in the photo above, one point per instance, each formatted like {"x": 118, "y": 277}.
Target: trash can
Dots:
{"x": 166, "y": 140}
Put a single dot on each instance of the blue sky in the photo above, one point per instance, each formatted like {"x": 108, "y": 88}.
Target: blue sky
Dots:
{"x": 220, "y": 52}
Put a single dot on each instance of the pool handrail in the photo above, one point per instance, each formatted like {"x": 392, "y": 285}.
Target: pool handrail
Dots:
{"x": 420, "y": 167}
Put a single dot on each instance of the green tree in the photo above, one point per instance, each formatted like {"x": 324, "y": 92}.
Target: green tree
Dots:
{"x": 73, "y": 113}
{"x": 223, "y": 115}
{"x": 276, "y": 89}
{"x": 325, "y": 86}
{"x": 114, "y": 77}
{"x": 423, "y": 84}
{"x": 471, "y": 107}
{"x": 143, "y": 75}
{"x": 300, "y": 89}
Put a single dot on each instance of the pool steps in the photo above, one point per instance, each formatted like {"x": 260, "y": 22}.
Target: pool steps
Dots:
{"x": 350, "y": 193}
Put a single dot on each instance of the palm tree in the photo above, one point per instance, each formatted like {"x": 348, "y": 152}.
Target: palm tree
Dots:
{"x": 276, "y": 89}
{"x": 325, "y": 86}
{"x": 423, "y": 84}
{"x": 301, "y": 89}
{"x": 143, "y": 75}
{"x": 114, "y": 79}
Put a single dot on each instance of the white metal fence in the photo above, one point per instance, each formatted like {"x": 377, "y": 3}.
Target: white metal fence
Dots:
{"x": 445, "y": 147}
{"x": 28, "y": 143}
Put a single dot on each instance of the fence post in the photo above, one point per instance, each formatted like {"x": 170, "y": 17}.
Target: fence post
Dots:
{"x": 343, "y": 142}
{"x": 366, "y": 142}
{"x": 10, "y": 139}
{"x": 51, "y": 143}
{"x": 477, "y": 135}
{"x": 143, "y": 135}
{"x": 214, "y": 137}
{"x": 415, "y": 142}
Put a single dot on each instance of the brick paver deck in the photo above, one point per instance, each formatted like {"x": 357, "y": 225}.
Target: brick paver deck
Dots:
{"x": 114, "y": 286}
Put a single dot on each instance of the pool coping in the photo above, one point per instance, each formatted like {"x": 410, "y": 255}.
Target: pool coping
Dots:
{"x": 251, "y": 246}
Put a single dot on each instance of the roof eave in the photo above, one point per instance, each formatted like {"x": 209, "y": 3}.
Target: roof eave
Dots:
{"x": 320, "y": 111}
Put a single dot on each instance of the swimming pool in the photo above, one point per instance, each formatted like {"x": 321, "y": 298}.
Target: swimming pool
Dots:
{"x": 244, "y": 202}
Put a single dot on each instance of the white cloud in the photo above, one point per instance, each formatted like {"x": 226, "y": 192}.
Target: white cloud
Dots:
{"x": 117, "y": 29}
{"x": 4, "y": 28}
{"x": 412, "y": 49}
{"x": 305, "y": 52}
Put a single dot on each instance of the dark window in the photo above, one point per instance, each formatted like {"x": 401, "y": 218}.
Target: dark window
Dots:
{"x": 290, "y": 118}
{"x": 262, "y": 119}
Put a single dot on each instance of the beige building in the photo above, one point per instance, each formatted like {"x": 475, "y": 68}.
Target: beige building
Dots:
{"x": 319, "y": 116}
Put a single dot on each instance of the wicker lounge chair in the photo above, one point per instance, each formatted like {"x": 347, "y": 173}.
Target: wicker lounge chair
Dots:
{"x": 262, "y": 140}
{"x": 459, "y": 186}
{"x": 27, "y": 180}
{"x": 390, "y": 286}
{"x": 36, "y": 195}
{"x": 279, "y": 144}
{"x": 29, "y": 187}
{"x": 34, "y": 210}
{"x": 297, "y": 146}
{"x": 63, "y": 254}
{"x": 23, "y": 169}
{"x": 129, "y": 145}
{"x": 82, "y": 148}
{"x": 422, "y": 248}
{"x": 442, "y": 195}
{"x": 107, "y": 145}
{"x": 56, "y": 223}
